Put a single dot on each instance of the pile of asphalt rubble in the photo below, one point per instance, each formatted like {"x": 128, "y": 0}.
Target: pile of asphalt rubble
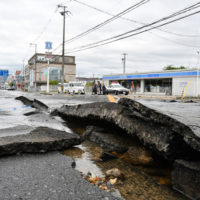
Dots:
{"x": 164, "y": 136}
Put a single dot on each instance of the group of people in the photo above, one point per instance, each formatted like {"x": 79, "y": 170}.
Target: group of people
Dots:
{"x": 98, "y": 88}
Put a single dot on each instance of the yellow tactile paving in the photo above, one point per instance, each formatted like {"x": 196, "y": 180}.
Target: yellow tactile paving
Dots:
{"x": 111, "y": 98}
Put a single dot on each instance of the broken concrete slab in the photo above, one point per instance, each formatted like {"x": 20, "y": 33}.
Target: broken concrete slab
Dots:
{"x": 39, "y": 105}
{"x": 25, "y": 100}
{"x": 162, "y": 134}
{"x": 108, "y": 140}
{"x": 40, "y": 140}
{"x": 186, "y": 178}
{"x": 16, "y": 130}
{"x": 113, "y": 142}
{"x": 186, "y": 132}
{"x": 34, "y": 103}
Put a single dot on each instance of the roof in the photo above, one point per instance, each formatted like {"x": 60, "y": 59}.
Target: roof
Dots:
{"x": 53, "y": 56}
{"x": 18, "y": 72}
{"x": 150, "y": 75}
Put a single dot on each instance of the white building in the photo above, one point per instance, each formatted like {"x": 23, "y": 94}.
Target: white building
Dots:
{"x": 171, "y": 82}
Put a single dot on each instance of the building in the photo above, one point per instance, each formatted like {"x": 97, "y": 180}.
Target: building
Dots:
{"x": 4, "y": 73}
{"x": 86, "y": 79}
{"x": 36, "y": 70}
{"x": 19, "y": 79}
{"x": 171, "y": 82}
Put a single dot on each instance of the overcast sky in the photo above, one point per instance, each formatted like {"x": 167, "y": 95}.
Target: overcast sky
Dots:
{"x": 34, "y": 21}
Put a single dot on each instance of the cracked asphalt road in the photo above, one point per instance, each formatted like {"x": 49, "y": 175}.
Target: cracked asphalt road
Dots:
{"x": 45, "y": 176}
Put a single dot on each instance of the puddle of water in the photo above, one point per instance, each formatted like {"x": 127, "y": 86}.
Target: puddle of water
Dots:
{"x": 141, "y": 183}
{"x": 14, "y": 122}
{"x": 85, "y": 161}
{"x": 137, "y": 185}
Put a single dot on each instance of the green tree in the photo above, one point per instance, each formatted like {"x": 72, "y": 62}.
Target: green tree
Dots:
{"x": 89, "y": 84}
{"x": 182, "y": 67}
{"x": 11, "y": 84}
{"x": 171, "y": 67}
{"x": 53, "y": 82}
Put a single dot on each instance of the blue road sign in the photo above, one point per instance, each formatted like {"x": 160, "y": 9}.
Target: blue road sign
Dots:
{"x": 48, "y": 45}
{"x": 4, "y": 73}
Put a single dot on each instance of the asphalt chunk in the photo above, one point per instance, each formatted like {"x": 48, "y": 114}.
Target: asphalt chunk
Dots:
{"x": 40, "y": 140}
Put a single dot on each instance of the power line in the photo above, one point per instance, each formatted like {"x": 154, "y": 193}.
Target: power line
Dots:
{"x": 172, "y": 41}
{"x": 125, "y": 35}
{"x": 151, "y": 24}
{"x": 89, "y": 47}
{"x": 98, "y": 26}
{"x": 45, "y": 26}
{"x": 42, "y": 32}
{"x": 134, "y": 21}
{"x": 131, "y": 8}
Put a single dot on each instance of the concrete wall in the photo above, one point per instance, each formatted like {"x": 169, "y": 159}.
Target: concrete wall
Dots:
{"x": 180, "y": 84}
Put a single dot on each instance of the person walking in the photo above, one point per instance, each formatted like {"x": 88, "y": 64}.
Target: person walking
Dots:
{"x": 104, "y": 89}
{"x": 94, "y": 88}
{"x": 99, "y": 87}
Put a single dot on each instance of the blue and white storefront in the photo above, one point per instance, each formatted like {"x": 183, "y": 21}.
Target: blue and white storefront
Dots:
{"x": 173, "y": 83}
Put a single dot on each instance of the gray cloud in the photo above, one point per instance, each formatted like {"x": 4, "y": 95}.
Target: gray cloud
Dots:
{"x": 23, "y": 21}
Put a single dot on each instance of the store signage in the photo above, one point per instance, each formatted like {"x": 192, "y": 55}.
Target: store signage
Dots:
{"x": 42, "y": 58}
{"x": 48, "y": 45}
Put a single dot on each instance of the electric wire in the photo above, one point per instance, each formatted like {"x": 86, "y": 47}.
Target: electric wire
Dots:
{"x": 134, "y": 21}
{"x": 98, "y": 26}
{"x": 172, "y": 41}
{"x": 131, "y": 8}
{"x": 45, "y": 26}
{"x": 41, "y": 33}
{"x": 97, "y": 45}
{"x": 125, "y": 35}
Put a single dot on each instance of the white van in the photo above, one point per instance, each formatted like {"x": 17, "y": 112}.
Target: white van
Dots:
{"x": 76, "y": 88}
{"x": 72, "y": 88}
{"x": 65, "y": 88}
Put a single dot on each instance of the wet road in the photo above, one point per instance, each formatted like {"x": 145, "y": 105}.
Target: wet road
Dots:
{"x": 39, "y": 176}
{"x": 14, "y": 122}
{"x": 28, "y": 171}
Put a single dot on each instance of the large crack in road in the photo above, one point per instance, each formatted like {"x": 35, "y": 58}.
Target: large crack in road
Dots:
{"x": 157, "y": 139}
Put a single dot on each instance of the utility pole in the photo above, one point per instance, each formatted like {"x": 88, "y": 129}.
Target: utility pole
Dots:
{"x": 198, "y": 74}
{"x": 124, "y": 62}
{"x": 23, "y": 72}
{"x": 33, "y": 44}
{"x": 63, "y": 42}
{"x": 48, "y": 76}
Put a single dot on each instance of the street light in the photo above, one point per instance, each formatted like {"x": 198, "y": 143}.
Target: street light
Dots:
{"x": 33, "y": 44}
{"x": 23, "y": 72}
{"x": 124, "y": 62}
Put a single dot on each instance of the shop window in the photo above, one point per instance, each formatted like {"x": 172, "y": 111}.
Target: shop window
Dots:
{"x": 159, "y": 86}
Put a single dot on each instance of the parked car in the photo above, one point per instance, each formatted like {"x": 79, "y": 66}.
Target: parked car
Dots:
{"x": 116, "y": 89}
{"x": 72, "y": 88}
